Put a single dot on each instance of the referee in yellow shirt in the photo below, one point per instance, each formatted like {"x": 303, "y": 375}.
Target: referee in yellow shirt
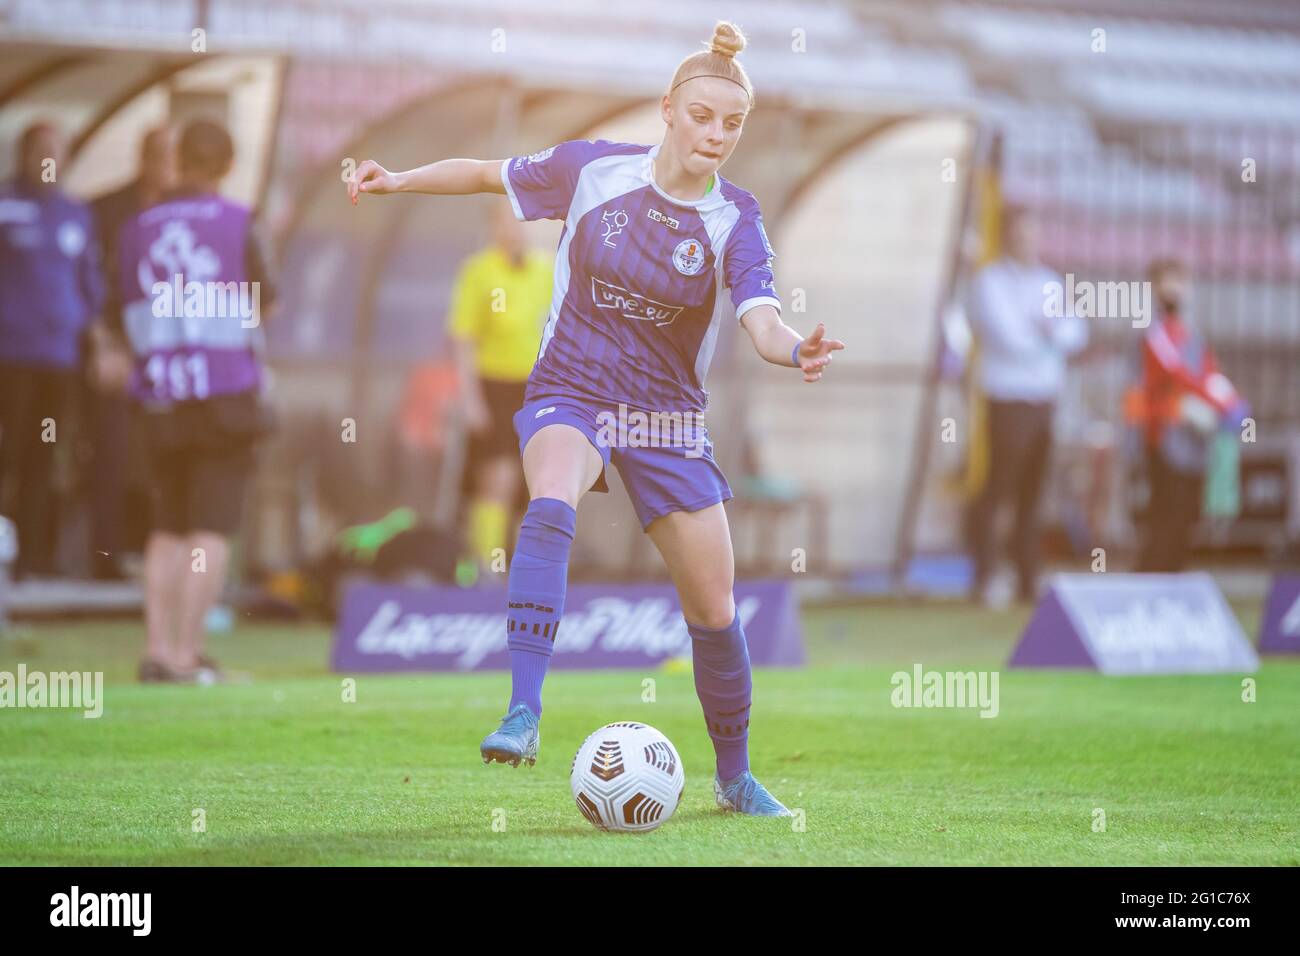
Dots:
{"x": 499, "y": 305}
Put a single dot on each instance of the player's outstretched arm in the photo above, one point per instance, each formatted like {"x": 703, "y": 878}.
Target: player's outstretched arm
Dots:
{"x": 775, "y": 341}
{"x": 447, "y": 177}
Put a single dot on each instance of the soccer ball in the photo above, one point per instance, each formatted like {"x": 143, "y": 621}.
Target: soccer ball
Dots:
{"x": 627, "y": 777}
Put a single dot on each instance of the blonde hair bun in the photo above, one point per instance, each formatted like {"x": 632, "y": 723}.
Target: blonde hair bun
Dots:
{"x": 727, "y": 39}
{"x": 718, "y": 60}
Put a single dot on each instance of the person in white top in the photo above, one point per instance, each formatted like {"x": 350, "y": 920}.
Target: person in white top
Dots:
{"x": 1024, "y": 344}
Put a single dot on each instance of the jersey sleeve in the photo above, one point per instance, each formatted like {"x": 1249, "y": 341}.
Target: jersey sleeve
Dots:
{"x": 258, "y": 267}
{"x": 541, "y": 185}
{"x": 93, "y": 288}
{"x": 748, "y": 266}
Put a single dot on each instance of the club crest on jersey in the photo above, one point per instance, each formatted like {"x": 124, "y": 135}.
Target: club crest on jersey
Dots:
{"x": 688, "y": 257}
{"x": 614, "y": 223}
{"x": 606, "y": 295}
{"x": 657, "y": 216}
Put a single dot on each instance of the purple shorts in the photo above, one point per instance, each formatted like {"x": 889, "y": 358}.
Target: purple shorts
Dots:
{"x": 665, "y": 461}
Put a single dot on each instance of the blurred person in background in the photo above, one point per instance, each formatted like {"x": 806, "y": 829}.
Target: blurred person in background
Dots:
{"x": 499, "y": 306}
{"x": 108, "y": 374}
{"x": 1023, "y": 350}
{"x": 51, "y": 288}
{"x": 1182, "y": 401}
{"x": 198, "y": 381}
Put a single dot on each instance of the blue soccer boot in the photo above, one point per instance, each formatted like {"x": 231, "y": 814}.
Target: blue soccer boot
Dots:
{"x": 517, "y": 738}
{"x": 744, "y": 794}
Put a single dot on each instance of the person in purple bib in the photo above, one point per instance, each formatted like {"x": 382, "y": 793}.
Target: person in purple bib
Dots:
{"x": 653, "y": 240}
{"x": 193, "y": 286}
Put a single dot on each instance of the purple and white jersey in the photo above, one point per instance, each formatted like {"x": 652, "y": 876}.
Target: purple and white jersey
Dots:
{"x": 639, "y": 275}
{"x": 187, "y": 304}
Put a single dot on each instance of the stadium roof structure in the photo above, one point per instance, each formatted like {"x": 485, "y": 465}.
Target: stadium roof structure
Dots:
{"x": 103, "y": 99}
{"x": 1169, "y": 60}
{"x": 580, "y": 41}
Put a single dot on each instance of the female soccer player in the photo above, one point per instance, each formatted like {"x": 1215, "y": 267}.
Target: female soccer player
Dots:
{"x": 651, "y": 237}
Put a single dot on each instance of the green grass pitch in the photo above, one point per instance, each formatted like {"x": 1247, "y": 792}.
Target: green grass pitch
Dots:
{"x": 286, "y": 772}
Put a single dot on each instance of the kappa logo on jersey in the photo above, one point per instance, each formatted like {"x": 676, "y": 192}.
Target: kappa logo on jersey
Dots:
{"x": 545, "y": 411}
{"x": 614, "y": 223}
{"x": 657, "y": 216}
{"x": 606, "y": 295}
{"x": 688, "y": 257}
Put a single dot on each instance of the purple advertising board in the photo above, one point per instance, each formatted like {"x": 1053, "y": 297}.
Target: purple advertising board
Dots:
{"x": 1279, "y": 629}
{"x": 385, "y": 627}
{"x": 1135, "y": 624}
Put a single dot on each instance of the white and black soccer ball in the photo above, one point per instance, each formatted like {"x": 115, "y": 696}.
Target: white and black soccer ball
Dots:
{"x": 627, "y": 777}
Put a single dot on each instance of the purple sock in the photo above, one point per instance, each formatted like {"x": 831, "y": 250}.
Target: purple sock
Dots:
{"x": 725, "y": 689}
{"x": 539, "y": 574}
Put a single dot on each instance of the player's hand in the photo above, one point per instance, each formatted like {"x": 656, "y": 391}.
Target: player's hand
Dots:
{"x": 815, "y": 353}
{"x": 370, "y": 177}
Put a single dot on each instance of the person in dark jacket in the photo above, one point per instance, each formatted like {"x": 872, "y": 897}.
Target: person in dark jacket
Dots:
{"x": 107, "y": 405}
{"x": 51, "y": 288}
